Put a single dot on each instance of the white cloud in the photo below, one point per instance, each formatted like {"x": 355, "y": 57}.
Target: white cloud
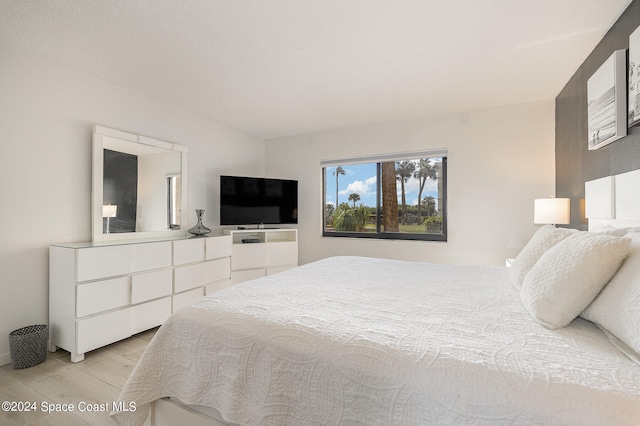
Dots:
{"x": 368, "y": 187}
{"x": 411, "y": 188}
{"x": 411, "y": 185}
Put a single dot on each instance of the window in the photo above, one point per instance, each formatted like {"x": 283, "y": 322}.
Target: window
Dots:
{"x": 395, "y": 197}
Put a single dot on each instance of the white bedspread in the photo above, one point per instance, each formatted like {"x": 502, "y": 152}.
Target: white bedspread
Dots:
{"x": 351, "y": 340}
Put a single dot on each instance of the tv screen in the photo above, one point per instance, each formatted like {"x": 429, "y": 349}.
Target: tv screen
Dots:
{"x": 256, "y": 201}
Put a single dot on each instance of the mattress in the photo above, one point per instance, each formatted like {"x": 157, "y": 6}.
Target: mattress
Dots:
{"x": 352, "y": 340}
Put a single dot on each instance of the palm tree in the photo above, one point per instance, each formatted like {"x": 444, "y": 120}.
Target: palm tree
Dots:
{"x": 404, "y": 171}
{"x": 350, "y": 219}
{"x": 429, "y": 204}
{"x": 425, "y": 171}
{"x": 329, "y": 209}
{"x": 389, "y": 198}
{"x": 438, "y": 166}
{"x": 339, "y": 171}
{"x": 354, "y": 197}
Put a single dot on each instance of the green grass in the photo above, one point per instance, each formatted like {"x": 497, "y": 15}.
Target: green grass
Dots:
{"x": 414, "y": 229}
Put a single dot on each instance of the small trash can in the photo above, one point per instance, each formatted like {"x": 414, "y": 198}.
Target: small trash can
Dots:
{"x": 28, "y": 346}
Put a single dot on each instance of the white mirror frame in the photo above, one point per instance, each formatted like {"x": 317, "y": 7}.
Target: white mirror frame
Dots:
{"x": 99, "y": 133}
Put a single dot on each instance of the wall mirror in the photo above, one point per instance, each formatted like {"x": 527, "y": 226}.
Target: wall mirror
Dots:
{"x": 139, "y": 186}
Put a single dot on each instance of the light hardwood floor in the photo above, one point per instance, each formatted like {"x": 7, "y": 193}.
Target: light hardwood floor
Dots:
{"x": 96, "y": 380}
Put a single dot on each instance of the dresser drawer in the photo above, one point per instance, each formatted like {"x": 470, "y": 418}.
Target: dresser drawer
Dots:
{"x": 282, "y": 253}
{"x": 104, "y": 329}
{"x": 183, "y": 299}
{"x": 217, "y": 286}
{"x": 148, "y": 256}
{"x": 101, "y": 262}
{"x": 218, "y": 269}
{"x": 217, "y": 247}
{"x": 100, "y": 296}
{"x": 191, "y": 276}
{"x": 150, "y": 314}
{"x": 278, "y": 269}
{"x": 247, "y": 256}
{"x": 250, "y": 274}
{"x": 151, "y": 285}
{"x": 188, "y": 251}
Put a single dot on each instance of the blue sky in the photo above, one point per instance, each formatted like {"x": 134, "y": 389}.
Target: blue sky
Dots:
{"x": 361, "y": 179}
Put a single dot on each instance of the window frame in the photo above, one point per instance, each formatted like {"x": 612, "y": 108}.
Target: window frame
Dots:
{"x": 382, "y": 235}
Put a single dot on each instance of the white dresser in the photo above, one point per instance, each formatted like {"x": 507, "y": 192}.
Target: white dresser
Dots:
{"x": 100, "y": 293}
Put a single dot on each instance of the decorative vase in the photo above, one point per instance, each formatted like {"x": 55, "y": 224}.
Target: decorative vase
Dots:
{"x": 199, "y": 229}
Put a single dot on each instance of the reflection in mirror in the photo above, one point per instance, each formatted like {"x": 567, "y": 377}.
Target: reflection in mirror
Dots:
{"x": 138, "y": 186}
{"x": 173, "y": 201}
{"x": 120, "y": 190}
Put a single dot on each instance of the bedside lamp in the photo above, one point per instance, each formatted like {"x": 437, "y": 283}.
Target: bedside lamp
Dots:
{"x": 109, "y": 211}
{"x": 555, "y": 211}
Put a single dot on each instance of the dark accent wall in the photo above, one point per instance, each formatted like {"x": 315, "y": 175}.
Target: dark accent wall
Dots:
{"x": 575, "y": 164}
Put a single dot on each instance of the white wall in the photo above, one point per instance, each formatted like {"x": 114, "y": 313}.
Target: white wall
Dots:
{"x": 499, "y": 160}
{"x": 46, "y": 116}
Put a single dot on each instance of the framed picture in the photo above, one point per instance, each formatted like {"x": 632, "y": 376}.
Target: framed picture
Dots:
{"x": 634, "y": 78}
{"x": 607, "y": 101}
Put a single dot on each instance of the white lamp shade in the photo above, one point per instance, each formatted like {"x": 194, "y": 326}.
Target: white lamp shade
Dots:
{"x": 109, "y": 210}
{"x": 552, "y": 211}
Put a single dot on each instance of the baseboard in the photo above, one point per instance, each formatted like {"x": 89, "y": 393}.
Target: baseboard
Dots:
{"x": 5, "y": 358}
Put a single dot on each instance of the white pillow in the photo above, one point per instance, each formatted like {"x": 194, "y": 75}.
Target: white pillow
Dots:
{"x": 545, "y": 238}
{"x": 617, "y": 307}
{"x": 610, "y": 230}
{"x": 570, "y": 275}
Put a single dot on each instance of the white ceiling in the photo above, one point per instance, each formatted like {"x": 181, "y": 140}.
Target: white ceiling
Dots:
{"x": 284, "y": 67}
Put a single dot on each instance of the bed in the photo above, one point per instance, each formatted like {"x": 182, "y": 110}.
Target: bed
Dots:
{"x": 354, "y": 340}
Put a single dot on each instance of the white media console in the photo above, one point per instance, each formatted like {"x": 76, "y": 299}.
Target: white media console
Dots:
{"x": 259, "y": 252}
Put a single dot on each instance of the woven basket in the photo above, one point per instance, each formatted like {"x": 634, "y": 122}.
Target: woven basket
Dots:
{"x": 28, "y": 346}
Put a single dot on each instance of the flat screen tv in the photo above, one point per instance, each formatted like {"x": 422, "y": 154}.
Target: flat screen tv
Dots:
{"x": 258, "y": 201}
